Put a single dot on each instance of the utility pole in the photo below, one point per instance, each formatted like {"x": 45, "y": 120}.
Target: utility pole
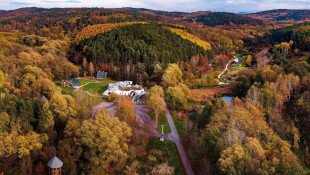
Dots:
{"x": 162, "y": 134}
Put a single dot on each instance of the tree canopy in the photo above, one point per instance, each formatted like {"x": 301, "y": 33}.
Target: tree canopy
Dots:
{"x": 144, "y": 43}
{"x": 107, "y": 141}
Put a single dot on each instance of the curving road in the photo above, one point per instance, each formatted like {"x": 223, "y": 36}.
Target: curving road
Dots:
{"x": 226, "y": 68}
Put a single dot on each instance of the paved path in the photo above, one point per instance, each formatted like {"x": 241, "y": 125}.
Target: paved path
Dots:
{"x": 226, "y": 68}
{"x": 212, "y": 61}
{"x": 174, "y": 137}
{"x": 104, "y": 105}
{"x": 141, "y": 112}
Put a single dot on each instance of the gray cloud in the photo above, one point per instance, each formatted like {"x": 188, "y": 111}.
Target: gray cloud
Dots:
{"x": 59, "y": 2}
{"x": 21, "y": 3}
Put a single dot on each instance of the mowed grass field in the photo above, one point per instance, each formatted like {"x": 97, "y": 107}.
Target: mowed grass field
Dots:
{"x": 97, "y": 86}
{"x": 91, "y": 85}
{"x": 67, "y": 90}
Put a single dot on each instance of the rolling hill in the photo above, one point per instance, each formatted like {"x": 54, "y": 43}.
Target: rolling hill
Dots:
{"x": 299, "y": 33}
{"x": 144, "y": 43}
{"x": 223, "y": 18}
{"x": 283, "y": 16}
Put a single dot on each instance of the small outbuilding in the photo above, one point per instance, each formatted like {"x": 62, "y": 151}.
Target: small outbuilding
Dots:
{"x": 71, "y": 82}
{"x": 54, "y": 165}
{"x": 102, "y": 74}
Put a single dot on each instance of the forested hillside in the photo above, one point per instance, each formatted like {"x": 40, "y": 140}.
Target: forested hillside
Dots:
{"x": 139, "y": 44}
{"x": 283, "y": 16}
{"x": 222, "y": 18}
{"x": 69, "y": 19}
{"x": 299, "y": 33}
{"x": 29, "y": 64}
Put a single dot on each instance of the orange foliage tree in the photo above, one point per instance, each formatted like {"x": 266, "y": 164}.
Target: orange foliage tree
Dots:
{"x": 125, "y": 110}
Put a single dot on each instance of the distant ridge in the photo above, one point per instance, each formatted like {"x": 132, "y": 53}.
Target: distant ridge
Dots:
{"x": 47, "y": 16}
{"x": 244, "y": 13}
{"x": 283, "y": 16}
{"x": 282, "y": 10}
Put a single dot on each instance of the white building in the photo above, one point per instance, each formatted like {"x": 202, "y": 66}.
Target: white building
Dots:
{"x": 124, "y": 88}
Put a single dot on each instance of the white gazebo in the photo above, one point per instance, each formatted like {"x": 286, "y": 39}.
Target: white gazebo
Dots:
{"x": 54, "y": 165}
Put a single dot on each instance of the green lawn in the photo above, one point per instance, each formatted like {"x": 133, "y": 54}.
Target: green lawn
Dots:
{"x": 178, "y": 124}
{"x": 67, "y": 90}
{"x": 170, "y": 154}
{"x": 163, "y": 121}
{"x": 85, "y": 80}
{"x": 97, "y": 86}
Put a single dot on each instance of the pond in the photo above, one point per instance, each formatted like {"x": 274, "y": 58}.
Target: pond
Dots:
{"x": 228, "y": 99}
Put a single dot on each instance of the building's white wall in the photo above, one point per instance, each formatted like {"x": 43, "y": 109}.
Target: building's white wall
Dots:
{"x": 115, "y": 88}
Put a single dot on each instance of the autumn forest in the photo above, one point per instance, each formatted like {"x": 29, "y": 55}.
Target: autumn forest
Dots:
{"x": 225, "y": 93}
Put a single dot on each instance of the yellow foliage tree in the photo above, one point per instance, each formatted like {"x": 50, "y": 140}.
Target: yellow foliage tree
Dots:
{"x": 46, "y": 120}
{"x": 249, "y": 60}
{"x": 172, "y": 76}
{"x": 106, "y": 139}
{"x": 176, "y": 97}
{"x": 232, "y": 160}
{"x": 63, "y": 106}
{"x": 13, "y": 143}
{"x": 156, "y": 104}
{"x": 156, "y": 90}
{"x": 3, "y": 78}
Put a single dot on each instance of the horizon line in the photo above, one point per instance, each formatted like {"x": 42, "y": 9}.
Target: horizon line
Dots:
{"x": 249, "y": 12}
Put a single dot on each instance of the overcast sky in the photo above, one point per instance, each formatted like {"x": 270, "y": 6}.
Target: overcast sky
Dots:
{"x": 168, "y": 5}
